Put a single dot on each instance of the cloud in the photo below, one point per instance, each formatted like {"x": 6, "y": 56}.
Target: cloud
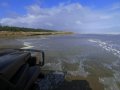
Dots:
{"x": 115, "y": 6}
{"x": 68, "y": 17}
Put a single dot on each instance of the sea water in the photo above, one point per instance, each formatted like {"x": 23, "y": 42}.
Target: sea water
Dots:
{"x": 95, "y": 58}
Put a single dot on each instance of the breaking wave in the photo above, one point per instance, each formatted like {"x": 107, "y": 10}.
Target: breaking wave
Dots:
{"x": 110, "y": 83}
{"x": 27, "y": 45}
{"x": 71, "y": 65}
{"x": 107, "y": 46}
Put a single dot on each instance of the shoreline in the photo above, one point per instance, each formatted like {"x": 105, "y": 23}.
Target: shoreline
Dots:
{"x": 4, "y": 34}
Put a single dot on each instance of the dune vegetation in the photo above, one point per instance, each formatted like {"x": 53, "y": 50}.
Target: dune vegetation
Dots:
{"x": 7, "y": 31}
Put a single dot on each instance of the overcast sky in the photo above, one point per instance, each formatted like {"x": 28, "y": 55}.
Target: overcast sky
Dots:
{"x": 82, "y": 16}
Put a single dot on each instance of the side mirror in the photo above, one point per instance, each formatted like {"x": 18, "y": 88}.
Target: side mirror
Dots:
{"x": 39, "y": 54}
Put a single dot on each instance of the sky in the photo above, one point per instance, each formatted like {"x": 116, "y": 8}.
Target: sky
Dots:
{"x": 80, "y": 16}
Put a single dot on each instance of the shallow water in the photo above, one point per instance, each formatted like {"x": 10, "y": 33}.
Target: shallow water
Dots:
{"x": 95, "y": 58}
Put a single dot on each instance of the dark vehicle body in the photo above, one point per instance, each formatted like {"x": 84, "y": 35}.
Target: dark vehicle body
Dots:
{"x": 19, "y": 69}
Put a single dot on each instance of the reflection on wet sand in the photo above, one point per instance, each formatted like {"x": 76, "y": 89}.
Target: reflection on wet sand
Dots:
{"x": 10, "y": 43}
{"x": 57, "y": 81}
{"x": 75, "y": 85}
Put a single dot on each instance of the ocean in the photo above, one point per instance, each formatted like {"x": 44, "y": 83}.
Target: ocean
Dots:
{"x": 91, "y": 57}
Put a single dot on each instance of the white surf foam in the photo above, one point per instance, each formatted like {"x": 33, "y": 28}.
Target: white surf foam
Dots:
{"x": 27, "y": 45}
{"x": 109, "y": 83}
{"x": 80, "y": 70}
{"x": 106, "y": 46}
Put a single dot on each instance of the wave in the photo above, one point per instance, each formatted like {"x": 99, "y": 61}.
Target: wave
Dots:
{"x": 107, "y": 46}
{"x": 72, "y": 67}
{"x": 27, "y": 45}
{"x": 109, "y": 83}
